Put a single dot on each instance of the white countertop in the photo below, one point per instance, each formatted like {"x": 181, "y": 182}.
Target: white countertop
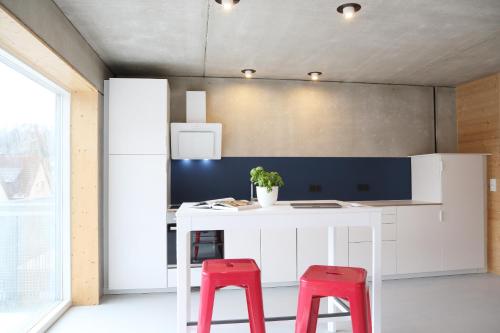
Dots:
{"x": 372, "y": 203}
{"x": 280, "y": 208}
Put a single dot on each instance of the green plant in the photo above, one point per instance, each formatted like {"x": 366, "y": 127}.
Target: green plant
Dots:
{"x": 267, "y": 179}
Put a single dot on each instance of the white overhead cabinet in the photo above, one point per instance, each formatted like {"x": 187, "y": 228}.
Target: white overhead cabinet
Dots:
{"x": 138, "y": 117}
{"x": 137, "y": 164}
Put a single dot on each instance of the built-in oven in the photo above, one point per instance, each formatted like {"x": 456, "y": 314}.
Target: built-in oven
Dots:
{"x": 204, "y": 245}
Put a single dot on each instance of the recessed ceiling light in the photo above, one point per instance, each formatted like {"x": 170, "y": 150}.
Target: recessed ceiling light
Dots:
{"x": 314, "y": 75}
{"x": 227, "y": 4}
{"x": 248, "y": 72}
{"x": 348, "y": 10}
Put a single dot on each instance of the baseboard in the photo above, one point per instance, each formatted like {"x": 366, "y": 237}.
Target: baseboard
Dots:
{"x": 49, "y": 320}
{"x": 295, "y": 283}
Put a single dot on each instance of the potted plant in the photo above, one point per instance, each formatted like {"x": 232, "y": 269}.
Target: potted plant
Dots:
{"x": 267, "y": 183}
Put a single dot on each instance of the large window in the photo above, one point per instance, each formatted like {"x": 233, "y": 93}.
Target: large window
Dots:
{"x": 34, "y": 196}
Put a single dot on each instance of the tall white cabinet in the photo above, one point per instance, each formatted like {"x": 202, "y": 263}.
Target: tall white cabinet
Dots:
{"x": 137, "y": 173}
{"x": 459, "y": 182}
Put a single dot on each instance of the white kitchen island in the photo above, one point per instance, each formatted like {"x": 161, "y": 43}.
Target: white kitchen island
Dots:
{"x": 281, "y": 215}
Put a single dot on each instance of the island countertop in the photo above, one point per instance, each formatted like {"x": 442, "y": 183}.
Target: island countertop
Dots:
{"x": 372, "y": 203}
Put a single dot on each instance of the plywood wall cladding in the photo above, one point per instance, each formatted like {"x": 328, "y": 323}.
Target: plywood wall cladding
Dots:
{"x": 85, "y": 198}
{"x": 22, "y": 43}
{"x": 478, "y": 126}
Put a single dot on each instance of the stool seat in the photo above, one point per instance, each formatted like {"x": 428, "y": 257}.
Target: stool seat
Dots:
{"x": 229, "y": 266}
{"x": 220, "y": 273}
{"x": 344, "y": 282}
{"x": 334, "y": 278}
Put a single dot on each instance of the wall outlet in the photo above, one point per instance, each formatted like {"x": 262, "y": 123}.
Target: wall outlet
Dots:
{"x": 315, "y": 188}
{"x": 363, "y": 187}
{"x": 493, "y": 185}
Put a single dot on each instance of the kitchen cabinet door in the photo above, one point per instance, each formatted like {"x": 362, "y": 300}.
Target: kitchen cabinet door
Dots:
{"x": 312, "y": 247}
{"x": 420, "y": 239}
{"x": 242, "y": 243}
{"x": 360, "y": 255}
{"x": 195, "y": 277}
{"x": 464, "y": 202}
{"x": 138, "y": 111}
{"x": 137, "y": 222}
{"x": 278, "y": 255}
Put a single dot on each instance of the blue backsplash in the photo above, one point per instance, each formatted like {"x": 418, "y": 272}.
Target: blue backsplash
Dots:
{"x": 342, "y": 178}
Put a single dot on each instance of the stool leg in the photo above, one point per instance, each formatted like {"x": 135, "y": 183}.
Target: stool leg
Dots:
{"x": 358, "y": 304}
{"x": 255, "y": 307}
{"x": 368, "y": 311}
{"x": 304, "y": 309}
{"x": 313, "y": 317}
{"x": 207, "y": 294}
{"x": 197, "y": 244}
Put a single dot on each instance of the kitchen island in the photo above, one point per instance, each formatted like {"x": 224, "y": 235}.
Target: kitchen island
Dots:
{"x": 281, "y": 215}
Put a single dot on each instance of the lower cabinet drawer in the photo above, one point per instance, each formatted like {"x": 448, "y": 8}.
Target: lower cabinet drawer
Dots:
{"x": 172, "y": 277}
{"x": 360, "y": 255}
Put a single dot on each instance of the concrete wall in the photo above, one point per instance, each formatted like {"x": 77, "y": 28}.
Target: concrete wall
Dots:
{"x": 47, "y": 21}
{"x": 303, "y": 118}
{"x": 446, "y": 120}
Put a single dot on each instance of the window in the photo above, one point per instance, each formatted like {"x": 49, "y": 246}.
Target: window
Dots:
{"x": 34, "y": 196}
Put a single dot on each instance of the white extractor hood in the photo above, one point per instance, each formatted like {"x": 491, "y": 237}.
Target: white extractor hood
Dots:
{"x": 196, "y": 139}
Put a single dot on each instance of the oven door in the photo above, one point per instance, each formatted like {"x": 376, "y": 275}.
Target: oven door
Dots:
{"x": 204, "y": 245}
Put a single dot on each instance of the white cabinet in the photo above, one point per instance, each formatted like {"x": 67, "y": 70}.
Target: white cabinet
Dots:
{"x": 278, "y": 255}
{"x": 459, "y": 182}
{"x": 360, "y": 244}
{"x": 312, "y": 247}
{"x": 136, "y": 167}
{"x": 195, "y": 277}
{"x": 364, "y": 234}
{"x": 138, "y": 116}
{"x": 464, "y": 184}
{"x": 419, "y": 244}
{"x": 242, "y": 243}
{"x": 360, "y": 255}
{"x": 136, "y": 222}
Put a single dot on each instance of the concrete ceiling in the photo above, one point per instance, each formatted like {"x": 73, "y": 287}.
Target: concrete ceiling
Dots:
{"x": 425, "y": 42}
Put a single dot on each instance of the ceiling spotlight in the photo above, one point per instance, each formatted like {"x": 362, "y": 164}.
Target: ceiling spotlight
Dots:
{"x": 248, "y": 73}
{"x": 314, "y": 75}
{"x": 348, "y": 10}
{"x": 227, "y": 4}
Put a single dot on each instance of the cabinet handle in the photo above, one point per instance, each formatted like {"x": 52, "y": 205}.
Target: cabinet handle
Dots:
{"x": 441, "y": 216}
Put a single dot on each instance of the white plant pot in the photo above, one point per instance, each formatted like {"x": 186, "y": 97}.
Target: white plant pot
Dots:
{"x": 267, "y": 199}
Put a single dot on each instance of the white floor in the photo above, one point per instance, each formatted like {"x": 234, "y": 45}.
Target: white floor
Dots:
{"x": 467, "y": 303}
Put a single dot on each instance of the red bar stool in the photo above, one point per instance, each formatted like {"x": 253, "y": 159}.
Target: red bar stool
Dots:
{"x": 348, "y": 283}
{"x": 220, "y": 273}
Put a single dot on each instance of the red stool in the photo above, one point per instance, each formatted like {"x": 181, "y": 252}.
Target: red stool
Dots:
{"x": 220, "y": 273}
{"x": 344, "y": 282}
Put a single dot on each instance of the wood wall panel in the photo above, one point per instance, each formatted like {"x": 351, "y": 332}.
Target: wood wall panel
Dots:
{"x": 85, "y": 287}
{"x": 478, "y": 127}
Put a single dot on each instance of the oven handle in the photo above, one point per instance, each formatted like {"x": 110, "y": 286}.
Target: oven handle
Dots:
{"x": 171, "y": 227}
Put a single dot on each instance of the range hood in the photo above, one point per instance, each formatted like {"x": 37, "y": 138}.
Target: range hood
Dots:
{"x": 196, "y": 139}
